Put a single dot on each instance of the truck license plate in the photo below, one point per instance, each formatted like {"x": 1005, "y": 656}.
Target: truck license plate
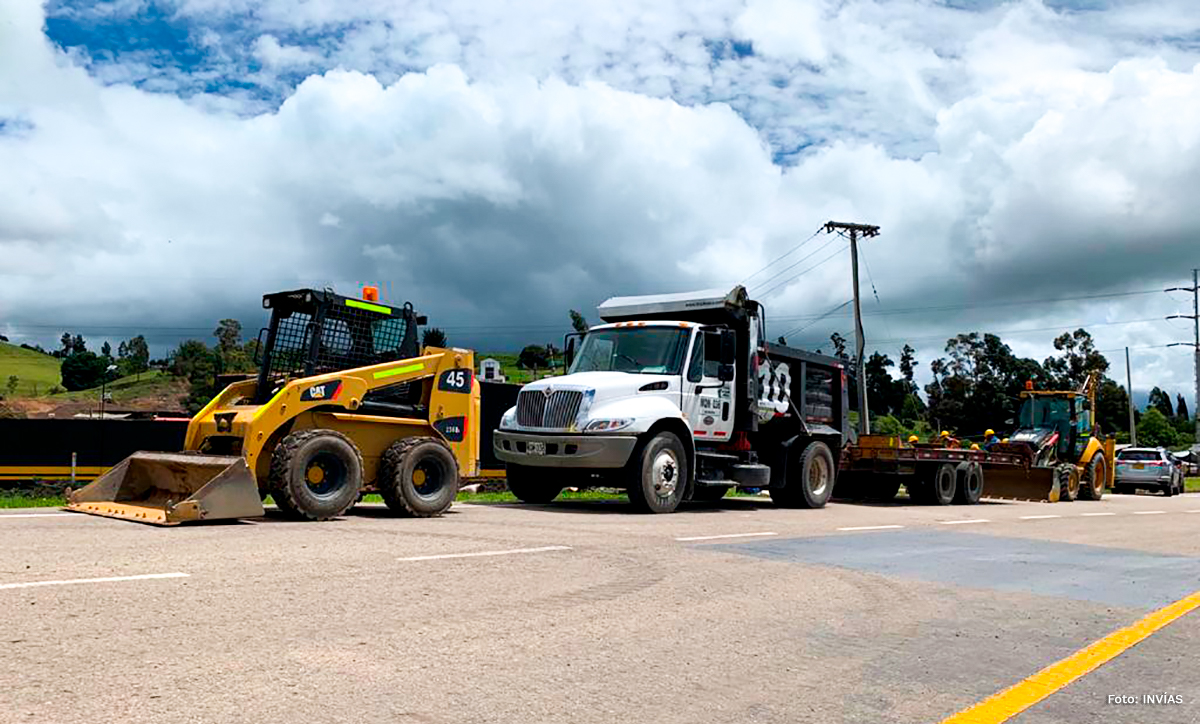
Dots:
{"x": 535, "y": 448}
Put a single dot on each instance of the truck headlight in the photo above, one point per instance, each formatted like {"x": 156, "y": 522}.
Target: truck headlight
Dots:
{"x": 608, "y": 425}
{"x": 509, "y": 418}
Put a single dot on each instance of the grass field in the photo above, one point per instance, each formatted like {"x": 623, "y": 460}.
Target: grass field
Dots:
{"x": 149, "y": 384}
{"x": 1192, "y": 485}
{"x": 36, "y": 372}
{"x": 508, "y": 367}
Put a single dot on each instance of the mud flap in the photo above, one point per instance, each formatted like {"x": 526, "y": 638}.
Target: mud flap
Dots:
{"x": 1015, "y": 483}
{"x": 172, "y": 488}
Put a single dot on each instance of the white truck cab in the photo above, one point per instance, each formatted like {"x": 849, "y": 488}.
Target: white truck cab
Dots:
{"x": 660, "y": 400}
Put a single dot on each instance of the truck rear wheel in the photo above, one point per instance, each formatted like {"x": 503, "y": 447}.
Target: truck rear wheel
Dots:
{"x": 418, "y": 477}
{"x": 1095, "y": 477}
{"x": 315, "y": 474}
{"x": 970, "y": 484}
{"x": 811, "y": 483}
{"x": 660, "y": 475}
{"x": 530, "y": 485}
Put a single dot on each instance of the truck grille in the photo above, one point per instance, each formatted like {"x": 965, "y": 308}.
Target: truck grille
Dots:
{"x": 535, "y": 409}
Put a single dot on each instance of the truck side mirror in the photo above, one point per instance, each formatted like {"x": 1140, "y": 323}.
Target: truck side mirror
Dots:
{"x": 728, "y": 347}
{"x": 569, "y": 350}
{"x": 725, "y": 373}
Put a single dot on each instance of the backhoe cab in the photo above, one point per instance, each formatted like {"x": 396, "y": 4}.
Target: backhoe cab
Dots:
{"x": 344, "y": 403}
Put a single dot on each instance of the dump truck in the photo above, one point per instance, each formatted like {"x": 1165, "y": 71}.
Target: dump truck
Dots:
{"x": 1055, "y": 454}
{"x": 344, "y": 403}
{"x": 680, "y": 397}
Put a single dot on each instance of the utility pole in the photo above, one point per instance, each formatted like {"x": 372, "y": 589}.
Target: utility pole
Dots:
{"x": 1194, "y": 344}
{"x": 1129, "y": 389}
{"x": 867, "y": 231}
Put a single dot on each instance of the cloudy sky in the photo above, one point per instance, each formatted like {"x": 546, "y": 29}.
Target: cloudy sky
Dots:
{"x": 165, "y": 162}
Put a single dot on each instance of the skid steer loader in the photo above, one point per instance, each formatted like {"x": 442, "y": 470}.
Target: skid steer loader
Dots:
{"x": 1057, "y": 437}
{"x": 344, "y": 403}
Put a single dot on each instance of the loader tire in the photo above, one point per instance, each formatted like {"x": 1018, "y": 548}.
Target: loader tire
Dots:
{"x": 943, "y": 486}
{"x": 658, "y": 475}
{"x": 1095, "y": 477}
{"x": 531, "y": 485}
{"x": 1068, "y": 483}
{"x": 315, "y": 474}
{"x": 970, "y": 484}
{"x": 418, "y": 477}
{"x": 811, "y": 483}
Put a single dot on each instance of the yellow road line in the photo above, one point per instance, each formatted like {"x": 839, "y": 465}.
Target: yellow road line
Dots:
{"x": 1016, "y": 699}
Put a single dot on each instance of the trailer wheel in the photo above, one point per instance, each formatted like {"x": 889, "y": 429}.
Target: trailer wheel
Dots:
{"x": 418, "y": 477}
{"x": 1068, "y": 483}
{"x": 315, "y": 474}
{"x": 814, "y": 484}
{"x": 661, "y": 475}
{"x": 1094, "y": 478}
{"x": 970, "y": 484}
{"x": 530, "y": 485}
{"x": 944, "y": 485}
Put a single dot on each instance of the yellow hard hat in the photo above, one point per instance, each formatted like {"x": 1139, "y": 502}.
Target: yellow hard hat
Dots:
{"x": 945, "y": 433}
{"x": 913, "y": 438}
{"x": 990, "y": 432}
{"x": 1004, "y": 440}
{"x": 974, "y": 446}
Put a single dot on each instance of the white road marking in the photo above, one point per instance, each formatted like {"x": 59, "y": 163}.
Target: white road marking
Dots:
{"x": 1192, "y": 511}
{"x": 872, "y": 527}
{"x": 727, "y": 535}
{"x": 478, "y": 554}
{"x": 1096, "y": 515}
{"x": 1039, "y": 517}
{"x": 111, "y": 579}
{"x": 1149, "y": 512}
{"x": 964, "y": 522}
{"x": 35, "y": 515}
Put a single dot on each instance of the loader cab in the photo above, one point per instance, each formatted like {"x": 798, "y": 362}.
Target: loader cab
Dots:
{"x": 1068, "y": 414}
{"x": 315, "y": 332}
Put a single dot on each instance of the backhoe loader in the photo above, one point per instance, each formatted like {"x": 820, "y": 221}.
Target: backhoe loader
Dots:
{"x": 1057, "y": 438}
{"x": 344, "y": 403}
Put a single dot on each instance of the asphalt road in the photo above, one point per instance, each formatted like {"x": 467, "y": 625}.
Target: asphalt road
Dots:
{"x": 586, "y": 612}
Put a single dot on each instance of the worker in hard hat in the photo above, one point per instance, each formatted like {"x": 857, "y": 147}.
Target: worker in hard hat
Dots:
{"x": 948, "y": 440}
{"x": 989, "y": 439}
{"x": 913, "y": 440}
{"x": 974, "y": 446}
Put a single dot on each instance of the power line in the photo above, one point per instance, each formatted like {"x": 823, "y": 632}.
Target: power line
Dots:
{"x": 788, "y": 281}
{"x": 787, "y": 253}
{"x": 1057, "y": 327}
{"x": 801, "y": 328}
{"x": 793, "y": 265}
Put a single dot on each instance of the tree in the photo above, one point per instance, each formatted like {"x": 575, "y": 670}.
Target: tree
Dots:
{"x": 1155, "y": 430}
{"x": 433, "y": 337}
{"x": 230, "y": 353}
{"x": 82, "y": 370}
{"x": 908, "y": 366}
{"x": 577, "y": 321}
{"x": 228, "y": 334}
{"x": 1181, "y": 408}
{"x": 77, "y": 344}
{"x": 106, "y": 350}
{"x": 884, "y": 394}
{"x": 12, "y": 385}
{"x": 198, "y": 364}
{"x": 977, "y": 385}
{"x": 533, "y": 357}
{"x": 134, "y": 356}
{"x": 1161, "y": 401}
{"x": 1079, "y": 359}
{"x": 66, "y": 343}
{"x": 1112, "y": 407}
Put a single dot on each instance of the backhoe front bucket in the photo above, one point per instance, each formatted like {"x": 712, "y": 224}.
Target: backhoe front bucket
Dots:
{"x": 172, "y": 488}
{"x": 1016, "y": 483}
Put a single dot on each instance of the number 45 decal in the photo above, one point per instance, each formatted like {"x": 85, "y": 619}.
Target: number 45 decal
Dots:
{"x": 455, "y": 381}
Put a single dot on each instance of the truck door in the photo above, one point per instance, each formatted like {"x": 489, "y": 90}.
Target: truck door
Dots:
{"x": 708, "y": 401}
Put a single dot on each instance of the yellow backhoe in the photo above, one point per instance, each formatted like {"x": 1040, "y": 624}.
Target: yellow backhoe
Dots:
{"x": 1056, "y": 435}
{"x": 344, "y": 403}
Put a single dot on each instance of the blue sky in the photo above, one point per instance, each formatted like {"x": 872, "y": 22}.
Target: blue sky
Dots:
{"x": 501, "y": 162}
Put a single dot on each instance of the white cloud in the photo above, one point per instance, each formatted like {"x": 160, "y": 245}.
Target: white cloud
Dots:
{"x": 543, "y": 158}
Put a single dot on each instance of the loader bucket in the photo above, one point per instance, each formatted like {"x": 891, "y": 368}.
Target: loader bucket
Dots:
{"x": 1014, "y": 482}
{"x": 172, "y": 488}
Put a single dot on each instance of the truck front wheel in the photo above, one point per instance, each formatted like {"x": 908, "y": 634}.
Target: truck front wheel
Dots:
{"x": 531, "y": 485}
{"x": 660, "y": 475}
{"x": 811, "y": 483}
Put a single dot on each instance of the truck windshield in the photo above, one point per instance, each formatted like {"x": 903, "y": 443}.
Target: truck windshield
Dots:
{"x": 639, "y": 350}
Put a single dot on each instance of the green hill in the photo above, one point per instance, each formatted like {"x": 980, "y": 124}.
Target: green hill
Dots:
{"x": 36, "y": 372}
